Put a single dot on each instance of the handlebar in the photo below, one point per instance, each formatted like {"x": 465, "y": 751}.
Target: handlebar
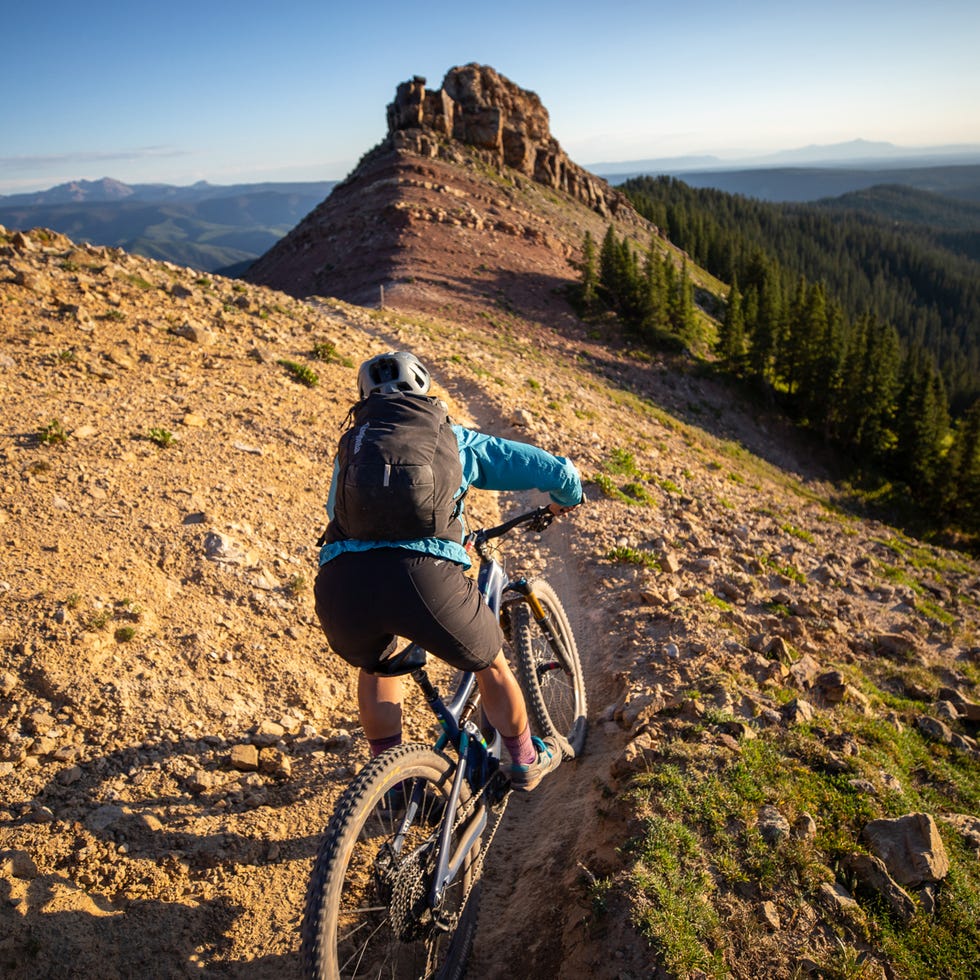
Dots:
{"x": 537, "y": 520}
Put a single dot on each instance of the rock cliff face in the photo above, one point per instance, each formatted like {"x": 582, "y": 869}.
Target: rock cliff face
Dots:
{"x": 480, "y": 108}
{"x": 468, "y": 200}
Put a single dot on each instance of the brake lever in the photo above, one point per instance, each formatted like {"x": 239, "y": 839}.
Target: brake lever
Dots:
{"x": 542, "y": 520}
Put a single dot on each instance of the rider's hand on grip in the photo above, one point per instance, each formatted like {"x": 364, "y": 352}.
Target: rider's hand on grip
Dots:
{"x": 559, "y": 509}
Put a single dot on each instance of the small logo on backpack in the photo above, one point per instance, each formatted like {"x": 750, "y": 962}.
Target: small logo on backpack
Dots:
{"x": 359, "y": 438}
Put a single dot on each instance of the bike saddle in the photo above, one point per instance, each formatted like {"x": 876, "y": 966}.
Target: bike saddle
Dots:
{"x": 403, "y": 662}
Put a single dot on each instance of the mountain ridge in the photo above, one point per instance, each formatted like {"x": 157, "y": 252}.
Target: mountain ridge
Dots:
{"x": 468, "y": 187}
{"x": 855, "y": 153}
{"x": 108, "y": 189}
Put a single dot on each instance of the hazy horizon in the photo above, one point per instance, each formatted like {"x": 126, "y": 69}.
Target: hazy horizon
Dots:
{"x": 245, "y": 93}
{"x": 781, "y": 159}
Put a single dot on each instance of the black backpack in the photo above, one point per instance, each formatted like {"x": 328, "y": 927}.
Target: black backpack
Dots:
{"x": 398, "y": 472}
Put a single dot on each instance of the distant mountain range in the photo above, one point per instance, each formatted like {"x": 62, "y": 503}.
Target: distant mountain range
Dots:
{"x": 225, "y": 228}
{"x": 814, "y": 172}
{"x": 802, "y": 184}
{"x": 854, "y": 154}
{"x": 204, "y": 226}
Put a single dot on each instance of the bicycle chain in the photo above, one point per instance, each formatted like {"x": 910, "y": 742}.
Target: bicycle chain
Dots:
{"x": 477, "y": 870}
{"x": 404, "y": 898}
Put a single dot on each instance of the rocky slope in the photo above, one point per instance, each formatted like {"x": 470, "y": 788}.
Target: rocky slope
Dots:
{"x": 174, "y": 731}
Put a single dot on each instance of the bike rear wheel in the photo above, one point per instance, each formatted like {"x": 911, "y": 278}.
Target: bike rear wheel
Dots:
{"x": 550, "y": 672}
{"x": 367, "y": 911}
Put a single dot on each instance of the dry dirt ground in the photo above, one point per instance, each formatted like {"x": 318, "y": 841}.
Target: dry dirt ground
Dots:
{"x": 162, "y": 477}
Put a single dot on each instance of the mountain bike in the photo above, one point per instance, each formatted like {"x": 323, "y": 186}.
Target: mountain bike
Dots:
{"x": 395, "y": 888}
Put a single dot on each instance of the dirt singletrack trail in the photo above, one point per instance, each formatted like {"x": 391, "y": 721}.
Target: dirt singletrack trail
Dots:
{"x": 535, "y": 900}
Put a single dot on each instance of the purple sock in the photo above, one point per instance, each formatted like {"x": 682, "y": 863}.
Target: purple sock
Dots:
{"x": 378, "y": 745}
{"x": 520, "y": 747}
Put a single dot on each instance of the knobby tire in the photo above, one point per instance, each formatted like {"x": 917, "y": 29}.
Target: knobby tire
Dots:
{"x": 551, "y": 678}
{"x": 366, "y": 911}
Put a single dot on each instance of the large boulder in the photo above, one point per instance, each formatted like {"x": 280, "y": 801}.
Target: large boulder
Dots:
{"x": 910, "y": 847}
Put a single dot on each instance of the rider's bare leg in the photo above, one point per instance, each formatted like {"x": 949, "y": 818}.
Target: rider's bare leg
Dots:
{"x": 502, "y": 698}
{"x": 379, "y": 702}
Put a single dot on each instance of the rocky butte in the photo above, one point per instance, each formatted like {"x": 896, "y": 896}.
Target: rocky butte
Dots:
{"x": 467, "y": 183}
{"x": 508, "y": 125}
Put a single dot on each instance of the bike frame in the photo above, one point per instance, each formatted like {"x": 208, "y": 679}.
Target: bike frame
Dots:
{"x": 479, "y": 760}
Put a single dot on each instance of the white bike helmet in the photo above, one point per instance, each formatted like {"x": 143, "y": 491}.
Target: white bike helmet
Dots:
{"x": 393, "y": 372}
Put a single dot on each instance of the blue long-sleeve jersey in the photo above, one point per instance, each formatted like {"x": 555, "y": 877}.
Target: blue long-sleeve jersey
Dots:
{"x": 489, "y": 463}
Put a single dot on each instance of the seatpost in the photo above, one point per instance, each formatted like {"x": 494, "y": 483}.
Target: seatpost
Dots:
{"x": 428, "y": 689}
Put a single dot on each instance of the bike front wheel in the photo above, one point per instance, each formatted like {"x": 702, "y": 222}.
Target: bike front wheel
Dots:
{"x": 550, "y": 670}
{"x": 367, "y": 908}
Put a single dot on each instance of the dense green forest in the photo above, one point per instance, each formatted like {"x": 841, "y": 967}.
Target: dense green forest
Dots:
{"x": 907, "y": 273}
{"x": 864, "y": 328}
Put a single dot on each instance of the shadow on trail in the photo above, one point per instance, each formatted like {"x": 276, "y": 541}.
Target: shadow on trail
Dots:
{"x": 137, "y": 820}
{"x": 154, "y": 811}
{"x": 148, "y": 939}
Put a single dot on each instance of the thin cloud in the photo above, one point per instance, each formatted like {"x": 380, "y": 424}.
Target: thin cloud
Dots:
{"x": 82, "y": 158}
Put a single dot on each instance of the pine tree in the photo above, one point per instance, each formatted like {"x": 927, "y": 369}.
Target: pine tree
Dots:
{"x": 686, "y": 321}
{"x": 654, "y": 318}
{"x": 731, "y": 336}
{"x": 922, "y": 424}
{"x": 764, "y": 317}
{"x": 816, "y": 357}
{"x": 961, "y": 492}
{"x": 873, "y": 398}
{"x": 670, "y": 290}
{"x": 790, "y": 347}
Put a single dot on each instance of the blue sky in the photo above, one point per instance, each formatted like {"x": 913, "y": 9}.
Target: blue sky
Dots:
{"x": 243, "y": 91}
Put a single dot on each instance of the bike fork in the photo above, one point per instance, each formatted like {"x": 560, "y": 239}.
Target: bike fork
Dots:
{"x": 541, "y": 617}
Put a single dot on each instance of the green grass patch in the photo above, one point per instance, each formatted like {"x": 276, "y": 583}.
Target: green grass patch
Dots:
{"x": 798, "y": 533}
{"x": 702, "y": 807}
{"x": 326, "y": 351}
{"x": 630, "y": 493}
{"x": 634, "y": 556}
{"x": 53, "y": 434}
{"x": 300, "y": 372}
{"x": 712, "y": 600}
{"x": 136, "y": 280}
{"x": 899, "y": 576}
{"x": 637, "y": 493}
{"x": 621, "y": 462}
{"x": 787, "y": 571}
{"x": 672, "y": 887}
{"x": 163, "y": 438}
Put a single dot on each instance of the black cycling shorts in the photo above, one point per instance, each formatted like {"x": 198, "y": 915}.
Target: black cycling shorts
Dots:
{"x": 365, "y": 600}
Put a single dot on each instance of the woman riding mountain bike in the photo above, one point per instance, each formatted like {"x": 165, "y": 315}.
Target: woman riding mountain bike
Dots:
{"x": 392, "y": 560}
{"x": 395, "y": 890}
